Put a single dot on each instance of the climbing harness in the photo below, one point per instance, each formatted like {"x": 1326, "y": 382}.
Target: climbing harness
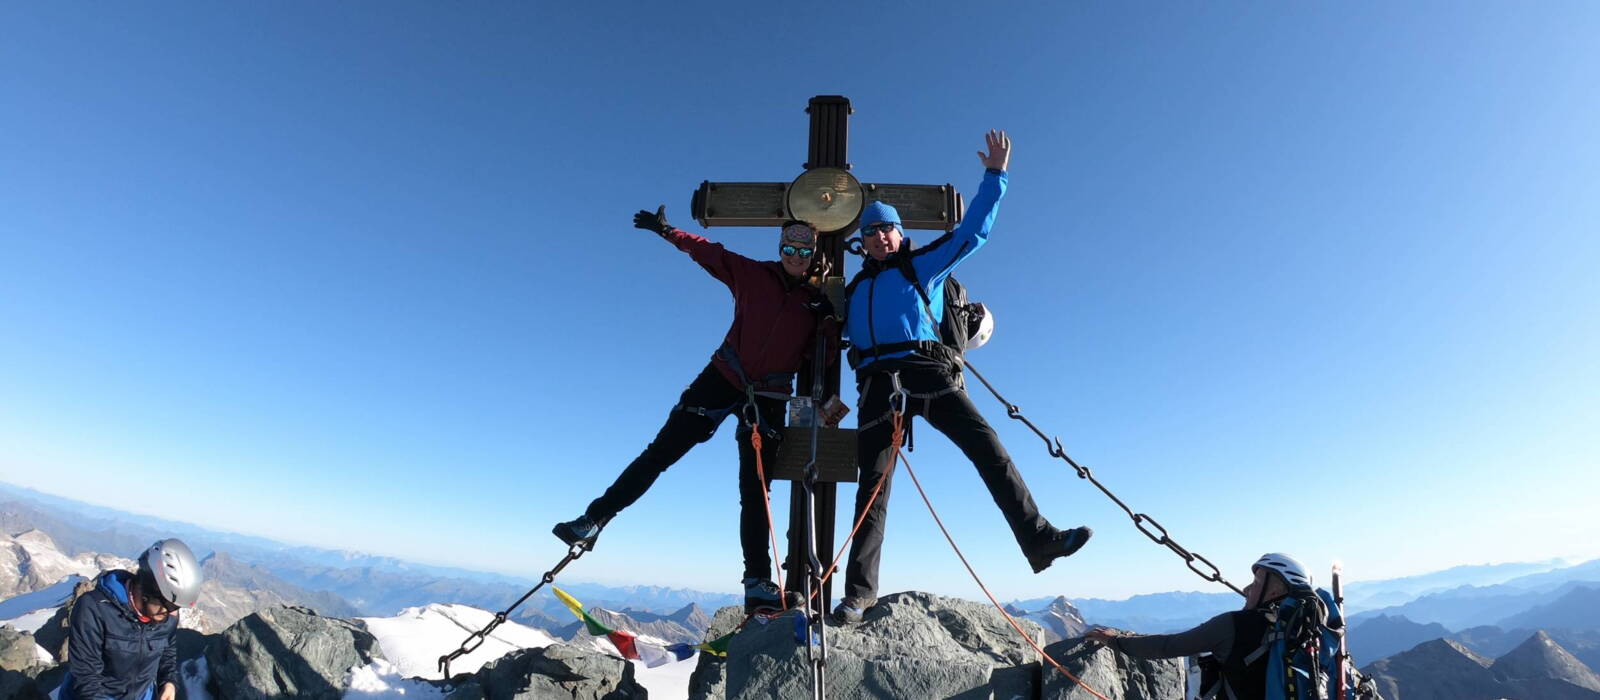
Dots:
{"x": 905, "y": 396}
{"x": 476, "y": 639}
{"x": 1143, "y": 522}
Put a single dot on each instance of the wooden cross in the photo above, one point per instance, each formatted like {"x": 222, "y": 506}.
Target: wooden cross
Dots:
{"x": 828, "y": 196}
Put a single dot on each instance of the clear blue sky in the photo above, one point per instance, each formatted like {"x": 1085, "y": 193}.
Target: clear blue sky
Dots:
{"x": 1313, "y": 279}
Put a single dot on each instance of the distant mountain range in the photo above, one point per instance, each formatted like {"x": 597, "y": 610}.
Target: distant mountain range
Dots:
{"x": 1447, "y": 670}
{"x": 1362, "y": 596}
{"x": 1488, "y": 611}
{"x": 373, "y": 585}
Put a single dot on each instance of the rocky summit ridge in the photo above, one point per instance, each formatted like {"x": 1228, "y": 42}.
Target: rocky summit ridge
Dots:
{"x": 912, "y": 645}
{"x": 919, "y": 645}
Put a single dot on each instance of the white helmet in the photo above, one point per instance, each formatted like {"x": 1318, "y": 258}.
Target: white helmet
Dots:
{"x": 171, "y": 566}
{"x": 1288, "y": 567}
{"x": 980, "y": 326}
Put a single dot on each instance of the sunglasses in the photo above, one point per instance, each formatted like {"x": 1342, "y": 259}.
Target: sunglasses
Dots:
{"x": 163, "y": 608}
{"x": 871, "y": 229}
{"x": 787, "y": 249}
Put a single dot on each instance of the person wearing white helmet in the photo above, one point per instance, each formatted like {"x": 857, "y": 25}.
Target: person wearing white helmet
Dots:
{"x": 121, "y": 643}
{"x": 1231, "y": 637}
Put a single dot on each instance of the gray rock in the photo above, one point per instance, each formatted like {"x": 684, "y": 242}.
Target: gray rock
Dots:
{"x": 1109, "y": 673}
{"x": 19, "y": 665}
{"x": 556, "y": 672}
{"x": 911, "y": 645}
{"x": 918, "y": 645}
{"x": 16, "y": 649}
{"x": 53, "y": 634}
{"x": 710, "y": 678}
{"x": 287, "y": 652}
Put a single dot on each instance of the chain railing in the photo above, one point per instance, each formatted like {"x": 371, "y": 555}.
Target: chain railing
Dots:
{"x": 476, "y": 639}
{"x": 1152, "y": 529}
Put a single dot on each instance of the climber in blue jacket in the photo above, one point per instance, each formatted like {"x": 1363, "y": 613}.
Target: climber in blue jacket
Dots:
{"x": 895, "y": 306}
{"x": 121, "y": 645}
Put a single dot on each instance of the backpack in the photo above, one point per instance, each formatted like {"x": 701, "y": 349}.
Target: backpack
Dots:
{"x": 1302, "y": 646}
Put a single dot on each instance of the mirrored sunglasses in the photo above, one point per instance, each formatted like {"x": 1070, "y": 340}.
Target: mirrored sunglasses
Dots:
{"x": 787, "y": 249}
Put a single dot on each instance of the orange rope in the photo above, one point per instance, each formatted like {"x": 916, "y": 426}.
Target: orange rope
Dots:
{"x": 894, "y": 442}
{"x": 777, "y": 561}
{"x": 997, "y": 606}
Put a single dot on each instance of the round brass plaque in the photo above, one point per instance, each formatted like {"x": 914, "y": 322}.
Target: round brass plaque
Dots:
{"x": 829, "y": 198}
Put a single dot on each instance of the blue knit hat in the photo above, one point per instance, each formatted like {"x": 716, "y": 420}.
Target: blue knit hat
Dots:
{"x": 878, "y": 212}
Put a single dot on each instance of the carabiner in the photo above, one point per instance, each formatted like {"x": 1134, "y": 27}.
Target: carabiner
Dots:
{"x": 898, "y": 396}
{"x": 751, "y": 413}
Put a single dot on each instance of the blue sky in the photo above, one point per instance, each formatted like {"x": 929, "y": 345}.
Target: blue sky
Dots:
{"x": 1310, "y": 279}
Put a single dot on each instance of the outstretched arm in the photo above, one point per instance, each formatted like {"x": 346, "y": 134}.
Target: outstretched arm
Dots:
{"x": 1214, "y": 635}
{"x": 935, "y": 262}
{"x": 716, "y": 259}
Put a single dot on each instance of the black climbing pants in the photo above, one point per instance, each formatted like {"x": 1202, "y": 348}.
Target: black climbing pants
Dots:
{"x": 702, "y": 407}
{"x": 952, "y": 414}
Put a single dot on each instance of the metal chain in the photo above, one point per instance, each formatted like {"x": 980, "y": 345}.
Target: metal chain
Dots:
{"x": 476, "y": 639}
{"x": 1200, "y": 565}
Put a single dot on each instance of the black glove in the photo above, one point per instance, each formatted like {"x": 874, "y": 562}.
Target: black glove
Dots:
{"x": 653, "y": 222}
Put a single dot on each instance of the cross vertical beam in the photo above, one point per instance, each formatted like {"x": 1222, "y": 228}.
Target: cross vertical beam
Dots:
{"x": 829, "y": 139}
{"x": 830, "y": 132}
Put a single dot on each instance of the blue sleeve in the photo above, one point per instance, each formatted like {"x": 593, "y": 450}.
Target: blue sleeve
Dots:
{"x": 934, "y": 263}
{"x": 85, "y": 649}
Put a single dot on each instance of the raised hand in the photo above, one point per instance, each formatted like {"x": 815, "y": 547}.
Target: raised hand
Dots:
{"x": 999, "y": 155}
{"x": 652, "y": 222}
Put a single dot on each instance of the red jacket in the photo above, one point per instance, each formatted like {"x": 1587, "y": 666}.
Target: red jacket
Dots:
{"x": 774, "y": 315}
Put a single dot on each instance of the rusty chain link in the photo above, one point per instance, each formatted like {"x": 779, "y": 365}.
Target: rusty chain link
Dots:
{"x": 1144, "y": 523}
{"x": 476, "y": 639}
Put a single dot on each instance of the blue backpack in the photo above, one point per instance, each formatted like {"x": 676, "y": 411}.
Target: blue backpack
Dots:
{"x": 1305, "y": 652}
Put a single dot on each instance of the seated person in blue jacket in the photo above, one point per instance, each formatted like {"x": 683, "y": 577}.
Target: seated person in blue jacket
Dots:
{"x": 894, "y": 302}
{"x": 122, "y": 631}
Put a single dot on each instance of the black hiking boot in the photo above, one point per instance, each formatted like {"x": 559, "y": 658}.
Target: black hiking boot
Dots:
{"x": 1060, "y": 543}
{"x": 581, "y": 530}
{"x": 850, "y": 611}
{"x": 761, "y": 596}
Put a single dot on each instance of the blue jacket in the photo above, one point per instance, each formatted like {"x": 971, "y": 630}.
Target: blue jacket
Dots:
{"x": 111, "y": 653}
{"x": 886, "y": 308}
